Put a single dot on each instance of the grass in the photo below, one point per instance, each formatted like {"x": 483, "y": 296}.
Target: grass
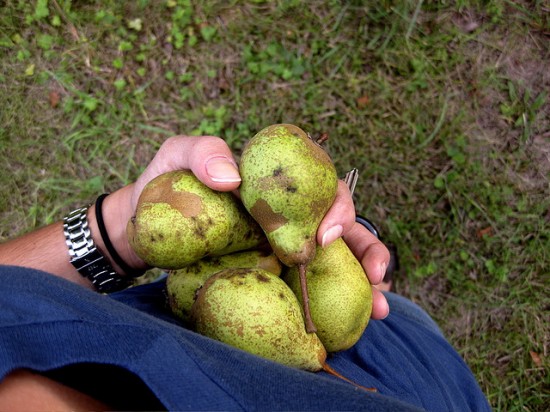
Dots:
{"x": 442, "y": 106}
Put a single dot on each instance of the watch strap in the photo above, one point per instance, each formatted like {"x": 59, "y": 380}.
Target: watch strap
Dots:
{"x": 85, "y": 256}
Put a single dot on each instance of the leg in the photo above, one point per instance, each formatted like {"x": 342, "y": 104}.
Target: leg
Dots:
{"x": 405, "y": 307}
{"x": 23, "y": 390}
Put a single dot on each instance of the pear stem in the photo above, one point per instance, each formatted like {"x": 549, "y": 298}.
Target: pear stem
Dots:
{"x": 310, "y": 326}
{"x": 332, "y": 372}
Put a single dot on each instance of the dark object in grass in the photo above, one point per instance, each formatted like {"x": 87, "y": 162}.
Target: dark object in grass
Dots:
{"x": 393, "y": 265}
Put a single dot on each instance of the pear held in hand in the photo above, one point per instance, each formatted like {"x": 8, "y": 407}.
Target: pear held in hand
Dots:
{"x": 340, "y": 295}
{"x": 183, "y": 284}
{"x": 288, "y": 184}
{"x": 180, "y": 220}
{"x": 254, "y": 310}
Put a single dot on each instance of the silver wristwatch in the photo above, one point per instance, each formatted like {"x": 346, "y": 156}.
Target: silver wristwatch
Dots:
{"x": 85, "y": 256}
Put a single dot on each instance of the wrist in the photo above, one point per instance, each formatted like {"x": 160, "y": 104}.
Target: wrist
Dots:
{"x": 116, "y": 211}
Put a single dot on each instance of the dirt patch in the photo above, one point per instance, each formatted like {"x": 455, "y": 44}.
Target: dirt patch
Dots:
{"x": 506, "y": 82}
{"x": 431, "y": 296}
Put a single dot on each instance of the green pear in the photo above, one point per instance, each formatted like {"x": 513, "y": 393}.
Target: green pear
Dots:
{"x": 182, "y": 284}
{"x": 340, "y": 295}
{"x": 179, "y": 220}
{"x": 254, "y": 310}
{"x": 288, "y": 184}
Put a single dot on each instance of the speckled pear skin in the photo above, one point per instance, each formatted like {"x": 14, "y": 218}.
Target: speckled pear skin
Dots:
{"x": 254, "y": 310}
{"x": 182, "y": 284}
{"x": 340, "y": 295}
{"x": 288, "y": 184}
{"x": 179, "y": 220}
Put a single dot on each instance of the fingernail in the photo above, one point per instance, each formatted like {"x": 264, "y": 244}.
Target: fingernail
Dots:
{"x": 221, "y": 169}
{"x": 382, "y": 270}
{"x": 331, "y": 235}
{"x": 387, "y": 310}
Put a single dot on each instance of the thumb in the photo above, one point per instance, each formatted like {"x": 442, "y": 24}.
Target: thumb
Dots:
{"x": 220, "y": 172}
{"x": 208, "y": 157}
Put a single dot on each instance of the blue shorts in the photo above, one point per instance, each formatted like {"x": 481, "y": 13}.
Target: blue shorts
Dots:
{"x": 127, "y": 350}
{"x": 410, "y": 310}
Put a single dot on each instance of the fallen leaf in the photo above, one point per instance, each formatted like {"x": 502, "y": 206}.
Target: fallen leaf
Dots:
{"x": 54, "y": 98}
{"x": 537, "y": 360}
{"x": 488, "y": 231}
{"x": 362, "y": 101}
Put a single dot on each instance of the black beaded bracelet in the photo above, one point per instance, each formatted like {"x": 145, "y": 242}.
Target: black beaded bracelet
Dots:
{"x": 110, "y": 248}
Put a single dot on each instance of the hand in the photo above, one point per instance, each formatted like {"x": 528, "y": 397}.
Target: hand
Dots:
{"x": 211, "y": 160}
{"x": 208, "y": 157}
{"x": 374, "y": 257}
{"x": 367, "y": 248}
{"x": 46, "y": 249}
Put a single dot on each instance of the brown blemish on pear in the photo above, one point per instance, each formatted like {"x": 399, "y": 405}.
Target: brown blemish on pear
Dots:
{"x": 188, "y": 204}
{"x": 266, "y": 217}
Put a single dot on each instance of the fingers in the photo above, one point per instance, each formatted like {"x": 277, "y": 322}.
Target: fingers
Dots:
{"x": 211, "y": 160}
{"x": 374, "y": 257}
{"x": 208, "y": 157}
{"x": 380, "y": 307}
{"x": 371, "y": 252}
{"x": 339, "y": 219}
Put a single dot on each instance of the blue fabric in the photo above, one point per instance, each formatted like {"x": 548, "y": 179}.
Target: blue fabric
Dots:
{"x": 47, "y": 324}
{"x": 403, "y": 306}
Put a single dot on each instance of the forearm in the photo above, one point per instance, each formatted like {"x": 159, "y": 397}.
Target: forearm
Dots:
{"x": 45, "y": 249}
{"x": 42, "y": 249}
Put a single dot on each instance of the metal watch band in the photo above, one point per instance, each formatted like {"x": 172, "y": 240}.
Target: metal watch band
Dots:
{"x": 85, "y": 256}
